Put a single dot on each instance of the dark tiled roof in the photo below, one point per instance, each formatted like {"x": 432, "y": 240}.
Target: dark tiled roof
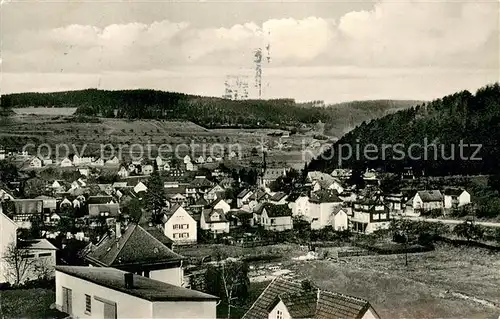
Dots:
{"x": 200, "y": 182}
{"x": 135, "y": 246}
{"x": 325, "y": 196}
{"x": 302, "y": 302}
{"x": 430, "y": 196}
{"x": 207, "y": 214}
{"x": 243, "y": 193}
{"x": 143, "y": 287}
{"x": 301, "y": 305}
{"x": 333, "y": 305}
{"x": 201, "y": 202}
{"x": 453, "y": 191}
{"x": 278, "y": 286}
{"x": 277, "y": 197}
{"x": 99, "y": 199}
{"x": 277, "y": 210}
{"x": 159, "y": 235}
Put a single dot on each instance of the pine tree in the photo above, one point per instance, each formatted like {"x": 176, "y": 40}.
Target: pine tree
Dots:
{"x": 155, "y": 197}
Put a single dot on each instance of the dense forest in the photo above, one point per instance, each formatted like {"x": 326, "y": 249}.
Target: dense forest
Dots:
{"x": 207, "y": 111}
{"x": 152, "y": 104}
{"x": 443, "y": 123}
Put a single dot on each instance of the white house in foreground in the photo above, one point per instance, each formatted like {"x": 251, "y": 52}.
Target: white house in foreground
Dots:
{"x": 95, "y": 292}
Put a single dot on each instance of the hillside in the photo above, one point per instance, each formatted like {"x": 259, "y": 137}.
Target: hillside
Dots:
{"x": 209, "y": 112}
{"x": 346, "y": 116}
{"x": 472, "y": 119}
{"x": 151, "y": 104}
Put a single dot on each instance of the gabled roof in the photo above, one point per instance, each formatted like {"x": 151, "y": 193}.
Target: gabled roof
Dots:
{"x": 144, "y": 288}
{"x": 276, "y": 210}
{"x": 244, "y": 193}
{"x": 207, "y": 214}
{"x": 200, "y": 182}
{"x": 307, "y": 302}
{"x": 36, "y": 244}
{"x": 99, "y": 199}
{"x": 301, "y": 305}
{"x": 335, "y": 305}
{"x": 215, "y": 202}
{"x": 453, "y": 191}
{"x": 277, "y": 197}
{"x": 325, "y": 196}
{"x": 135, "y": 246}
{"x": 430, "y": 195}
{"x": 158, "y": 234}
{"x": 279, "y": 286}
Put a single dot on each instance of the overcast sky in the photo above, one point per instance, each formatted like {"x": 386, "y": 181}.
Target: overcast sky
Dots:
{"x": 327, "y": 50}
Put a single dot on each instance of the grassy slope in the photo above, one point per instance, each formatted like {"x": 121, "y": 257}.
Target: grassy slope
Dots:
{"x": 419, "y": 291}
{"x": 28, "y": 303}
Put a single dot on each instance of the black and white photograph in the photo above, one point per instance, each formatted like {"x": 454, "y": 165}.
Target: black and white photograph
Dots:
{"x": 250, "y": 159}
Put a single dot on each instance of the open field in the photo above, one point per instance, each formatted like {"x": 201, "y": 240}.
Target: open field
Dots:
{"x": 45, "y": 110}
{"x": 446, "y": 283}
{"x": 28, "y": 303}
{"x": 19, "y": 130}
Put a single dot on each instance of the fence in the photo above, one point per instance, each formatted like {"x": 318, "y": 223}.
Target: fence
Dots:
{"x": 471, "y": 243}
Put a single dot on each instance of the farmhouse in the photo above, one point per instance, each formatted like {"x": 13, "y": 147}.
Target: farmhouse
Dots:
{"x": 270, "y": 175}
{"x": 293, "y": 299}
{"x": 112, "y": 293}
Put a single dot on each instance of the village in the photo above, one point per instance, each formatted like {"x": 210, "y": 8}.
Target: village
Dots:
{"x": 170, "y": 220}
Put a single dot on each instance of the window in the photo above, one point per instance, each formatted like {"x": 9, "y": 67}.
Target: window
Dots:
{"x": 44, "y": 254}
{"x": 88, "y": 304}
{"x": 279, "y": 314}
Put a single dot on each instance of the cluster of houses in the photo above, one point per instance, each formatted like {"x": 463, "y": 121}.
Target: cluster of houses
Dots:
{"x": 131, "y": 270}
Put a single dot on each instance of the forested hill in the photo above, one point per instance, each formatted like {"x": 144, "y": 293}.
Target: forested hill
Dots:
{"x": 474, "y": 119}
{"x": 152, "y": 104}
{"x": 207, "y": 111}
{"x": 347, "y": 115}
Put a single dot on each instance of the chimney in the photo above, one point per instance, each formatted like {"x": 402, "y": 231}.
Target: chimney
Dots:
{"x": 118, "y": 230}
{"x": 129, "y": 280}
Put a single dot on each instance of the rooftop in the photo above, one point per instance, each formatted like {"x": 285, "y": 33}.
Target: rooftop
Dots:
{"x": 307, "y": 301}
{"x": 134, "y": 246}
{"x": 144, "y": 288}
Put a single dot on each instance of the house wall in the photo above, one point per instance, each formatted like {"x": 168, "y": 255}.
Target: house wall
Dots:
{"x": 174, "y": 276}
{"x": 7, "y": 236}
{"x": 370, "y": 314}
{"x": 447, "y": 201}
{"x": 280, "y": 223}
{"x": 301, "y": 207}
{"x": 181, "y": 217}
{"x": 185, "y": 309}
{"x": 339, "y": 221}
{"x": 464, "y": 199}
{"x": 223, "y": 205}
{"x": 127, "y": 306}
{"x": 273, "y": 314}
